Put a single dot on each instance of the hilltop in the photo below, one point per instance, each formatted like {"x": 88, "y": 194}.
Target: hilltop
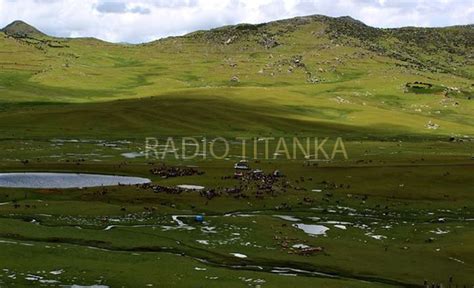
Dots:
{"x": 19, "y": 28}
{"x": 436, "y": 49}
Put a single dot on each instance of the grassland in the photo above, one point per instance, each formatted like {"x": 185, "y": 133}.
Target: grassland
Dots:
{"x": 399, "y": 208}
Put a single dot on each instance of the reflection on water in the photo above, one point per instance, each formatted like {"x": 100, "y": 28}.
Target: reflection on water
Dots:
{"x": 65, "y": 180}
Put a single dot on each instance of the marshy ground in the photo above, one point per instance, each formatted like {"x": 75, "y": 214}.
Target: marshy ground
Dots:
{"x": 397, "y": 212}
{"x": 361, "y": 222}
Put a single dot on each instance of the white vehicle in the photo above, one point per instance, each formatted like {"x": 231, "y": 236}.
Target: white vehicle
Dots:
{"x": 242, "y": 165}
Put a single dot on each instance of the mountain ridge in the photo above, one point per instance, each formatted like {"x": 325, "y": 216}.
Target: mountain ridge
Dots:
{"x": 20, "y": 27}
{"x": 446, "y": 49}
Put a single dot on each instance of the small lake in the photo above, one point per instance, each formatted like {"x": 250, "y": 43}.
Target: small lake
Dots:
{"x": 65, "y": 180}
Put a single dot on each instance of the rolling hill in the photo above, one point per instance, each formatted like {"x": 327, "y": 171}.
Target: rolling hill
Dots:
{"x": 302, "y": 75}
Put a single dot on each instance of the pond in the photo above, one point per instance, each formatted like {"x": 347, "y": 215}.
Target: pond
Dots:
{"x": 312, "y": 230}
{"x": 65, "y": 180}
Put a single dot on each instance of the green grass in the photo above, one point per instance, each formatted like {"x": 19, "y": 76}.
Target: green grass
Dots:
{"x": 399, "y": 179}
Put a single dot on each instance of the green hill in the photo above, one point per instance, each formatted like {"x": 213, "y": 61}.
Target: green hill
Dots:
{"x": 21, "y": 29}
{"x": 310, "y": 72}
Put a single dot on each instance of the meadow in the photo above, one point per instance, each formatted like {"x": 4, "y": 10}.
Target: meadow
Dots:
{"x": 397, "y": 212}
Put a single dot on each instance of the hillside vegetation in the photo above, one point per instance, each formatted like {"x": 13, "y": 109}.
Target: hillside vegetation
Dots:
{"x": 303, "y": 75}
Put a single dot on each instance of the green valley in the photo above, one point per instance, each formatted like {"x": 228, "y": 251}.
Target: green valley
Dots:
{"x": 396, "y": 212}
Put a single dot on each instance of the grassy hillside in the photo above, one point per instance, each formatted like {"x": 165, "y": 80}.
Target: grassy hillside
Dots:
{"x": 310, "y": 73}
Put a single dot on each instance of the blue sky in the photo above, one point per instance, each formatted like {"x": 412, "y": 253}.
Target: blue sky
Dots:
{"x": 138, "y": 21}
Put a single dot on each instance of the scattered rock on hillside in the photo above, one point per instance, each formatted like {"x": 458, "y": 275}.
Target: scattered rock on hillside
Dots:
{"x": 298, "y": 61}
{"x": 313, "y": 80}
{"x": 269, "y": 42}
{"x": 230, "y": 40}
{"x": 432, "y": 125}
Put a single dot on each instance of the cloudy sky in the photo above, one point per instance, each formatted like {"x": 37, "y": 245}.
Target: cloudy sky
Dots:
{"x": 136, "y": 21}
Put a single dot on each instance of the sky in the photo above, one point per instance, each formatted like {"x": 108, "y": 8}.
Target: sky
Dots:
{"x": 137, "y": 21}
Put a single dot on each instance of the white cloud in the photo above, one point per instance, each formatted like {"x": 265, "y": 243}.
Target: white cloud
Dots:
{"x": 145, "y": 20}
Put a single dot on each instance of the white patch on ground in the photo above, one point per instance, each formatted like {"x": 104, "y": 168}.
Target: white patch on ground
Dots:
{"x": 287, "y": 218}
{"x": 207, "y": 229}
{"x": 181, "y": 224}
{"x": 377, "y": 237}
{"x": 47, "y": 281}
{"x": 336, "y": 222}
{"x": 57, "y": 272}
{"x": 238, "y": 215}
{"x": 346, "y": 208}
{"x": 168, "y": 228}
{"x": 300, "y": 246}
{"x": 132, "y": 155}
{"x": 238, "y": 255}
{"x": 312, "y": 230}
{"x": 176, "y": 219}
{"x": 286, "y": 272}
{"x": 8, "y": 242}
{"x": 190, "y": 187}
{"x": 457, "y": 260}
{"x": 31, "y": 277}
{"x": 255, "y": 282}
{"x": 204, "y": 242}
{"x": 65, "y": 140}
{"x": 340, "y": 227}
{"x": 200, "y": 269}
{"x": 109, "y": 227}
{"x": 438, "y": 231}
{"x": 362, "y": 226}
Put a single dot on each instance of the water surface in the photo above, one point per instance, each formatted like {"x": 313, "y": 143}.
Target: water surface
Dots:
{"x": 65, "y": 180}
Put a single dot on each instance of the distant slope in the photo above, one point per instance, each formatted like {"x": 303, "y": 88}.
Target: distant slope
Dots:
{"x": 447, "y": 49}
{"x": 21, "y": 29}
{"x": 302, "y": 75}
